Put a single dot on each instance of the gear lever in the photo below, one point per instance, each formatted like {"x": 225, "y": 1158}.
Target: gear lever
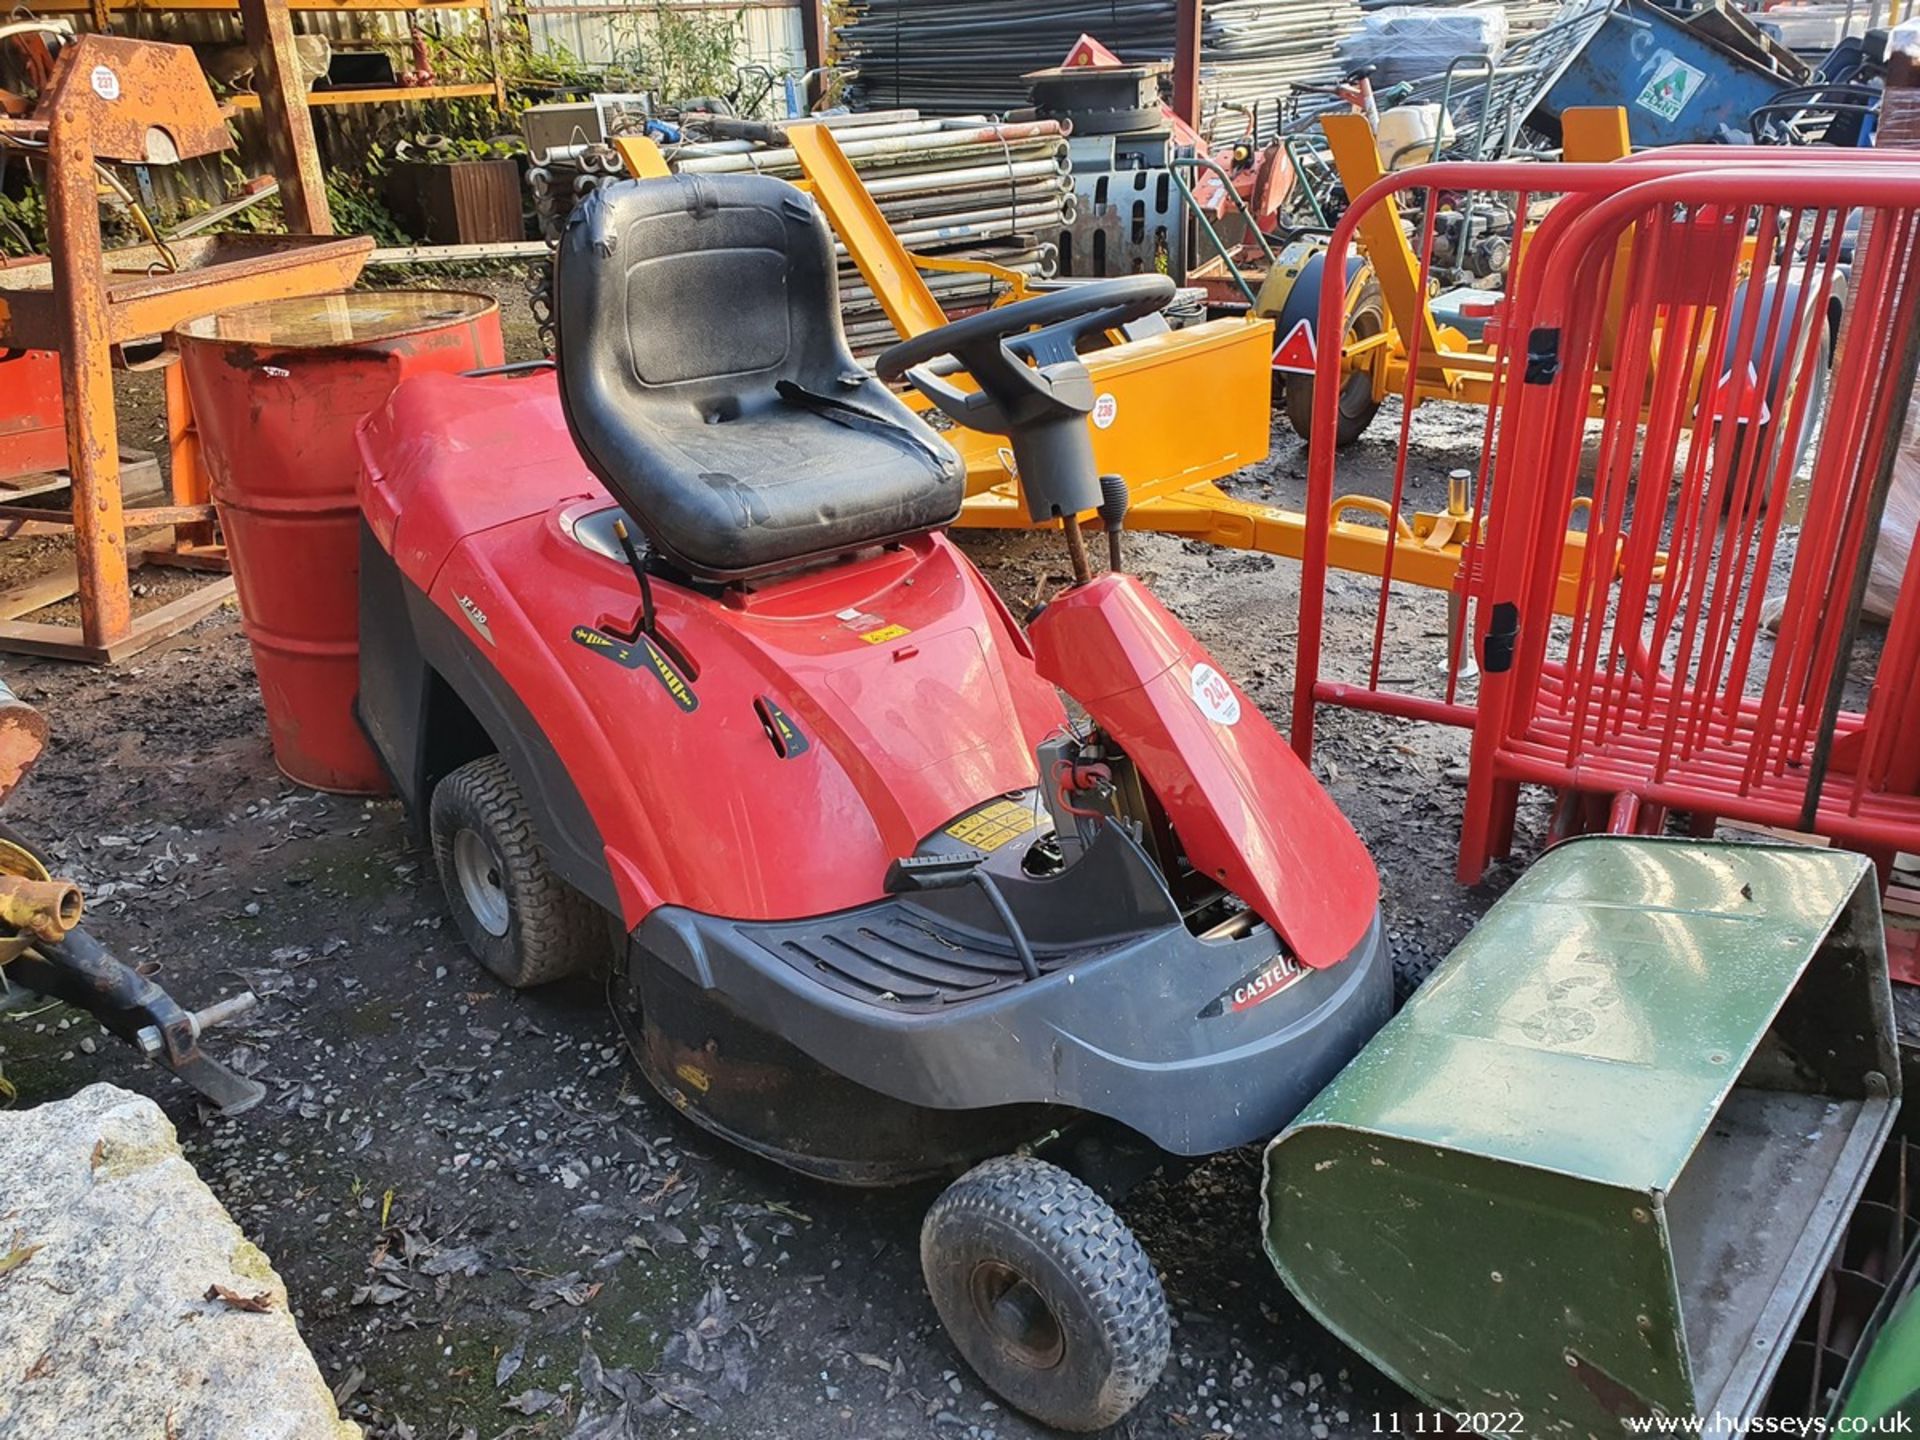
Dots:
{"x": 1113, "y": 511}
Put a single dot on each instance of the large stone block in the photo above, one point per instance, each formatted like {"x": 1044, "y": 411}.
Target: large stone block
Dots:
{"x": 109, "y": 1247}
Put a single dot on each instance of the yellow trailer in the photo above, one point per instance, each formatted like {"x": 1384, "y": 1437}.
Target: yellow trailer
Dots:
{"x": 1176, "y": 410}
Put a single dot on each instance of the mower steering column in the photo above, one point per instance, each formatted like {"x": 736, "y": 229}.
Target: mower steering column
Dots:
{"x": 1033, "y": 387}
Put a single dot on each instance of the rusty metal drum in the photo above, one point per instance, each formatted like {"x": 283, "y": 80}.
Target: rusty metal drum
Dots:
{"x": 278, "y": 390}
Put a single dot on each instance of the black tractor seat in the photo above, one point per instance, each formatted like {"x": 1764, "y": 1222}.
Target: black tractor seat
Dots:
{"x": 707, "y": 381}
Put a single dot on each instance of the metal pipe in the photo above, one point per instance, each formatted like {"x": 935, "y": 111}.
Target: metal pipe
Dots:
{"x": 936, "y": 143}
{"x": 45, "y": 909}
{"x": 706, "y": 149}
{"x": 1056, "y": 163}
{"x": 1187, "y": 41}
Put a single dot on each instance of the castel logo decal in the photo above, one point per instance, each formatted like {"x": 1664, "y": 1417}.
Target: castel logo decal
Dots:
{"x": 640, "y": 654}
{"x": 476, "y": 616}
{"x": 1257, "y": 988}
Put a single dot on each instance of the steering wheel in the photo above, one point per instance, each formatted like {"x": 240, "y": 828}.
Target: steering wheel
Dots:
{"x": 1023, "y": 356}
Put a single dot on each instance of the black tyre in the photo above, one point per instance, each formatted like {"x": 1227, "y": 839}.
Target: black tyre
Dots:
{"x": 520, "y": 920}
{"x": 1813, "y": 416}
{"x": 1045, "y": 1292}
{"x": 1357, "y": 405}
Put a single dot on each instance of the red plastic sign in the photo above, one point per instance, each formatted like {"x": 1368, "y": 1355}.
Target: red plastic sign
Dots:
{"x": 1721, "y": 399}
{"x": 1296, "y": 353}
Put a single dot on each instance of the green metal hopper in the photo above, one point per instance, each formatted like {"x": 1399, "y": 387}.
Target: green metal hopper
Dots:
{"x": 1595, "y": 1168}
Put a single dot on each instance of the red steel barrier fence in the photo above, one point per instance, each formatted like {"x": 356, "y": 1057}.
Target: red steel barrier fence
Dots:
{"x": 1686, "y": 648}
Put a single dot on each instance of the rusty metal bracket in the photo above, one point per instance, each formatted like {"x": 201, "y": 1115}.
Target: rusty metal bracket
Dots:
{"x": 83, "y": 972}
{"x": 135, "y": 102}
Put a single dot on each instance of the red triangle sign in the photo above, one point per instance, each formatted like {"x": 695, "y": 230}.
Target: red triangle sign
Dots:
{"x": 1296, "y": 353}
{"x": 1088, "y": 54}
{"x": 1720, "y": 401}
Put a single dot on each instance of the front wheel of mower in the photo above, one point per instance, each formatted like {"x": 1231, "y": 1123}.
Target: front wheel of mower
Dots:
{"x": 1045, "y": 1292}
{"x": 1357, "y": 405}
{"x": 520, "y": 920}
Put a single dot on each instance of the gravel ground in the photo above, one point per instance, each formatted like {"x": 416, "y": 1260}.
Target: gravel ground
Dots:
{"x": 475, "y": 1200}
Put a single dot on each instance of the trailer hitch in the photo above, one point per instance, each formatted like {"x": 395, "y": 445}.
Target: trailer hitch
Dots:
{"x": 43, "y": 947}
{"x": 81, "y": 971}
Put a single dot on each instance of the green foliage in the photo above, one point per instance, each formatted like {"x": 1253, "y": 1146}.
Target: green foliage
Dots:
{"x": 682, "y": 53}
{"x": 264, "y": 217}
{"x": 460, "y": 129}
{"x": 556, "y": 68}
{"x": 23, "y": 222}
{"x": 461, "y": 54}
{"x": 353, "y": 200}
{"x": 358, "y": 210}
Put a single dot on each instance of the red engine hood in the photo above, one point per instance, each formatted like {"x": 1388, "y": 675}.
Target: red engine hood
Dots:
{"x": 1244, "y": 806}
{"x": 901, "y": 690}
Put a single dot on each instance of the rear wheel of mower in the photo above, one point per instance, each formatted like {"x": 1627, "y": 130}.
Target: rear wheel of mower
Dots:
{"x": 520, "y": 920}
{"x": 1046, "y": 1292}
{"x": 1357, "y": 405}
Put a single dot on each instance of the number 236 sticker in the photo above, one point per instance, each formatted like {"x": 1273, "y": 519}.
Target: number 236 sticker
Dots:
{"x": 1214, "y": 695}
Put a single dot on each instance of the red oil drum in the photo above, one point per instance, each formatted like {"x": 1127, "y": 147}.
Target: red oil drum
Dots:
{"x": 277, "y": 391}
{"x": 33, "y": 425}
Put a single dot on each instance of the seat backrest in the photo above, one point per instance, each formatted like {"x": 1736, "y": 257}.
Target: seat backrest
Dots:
{"x": 696, "y": 318}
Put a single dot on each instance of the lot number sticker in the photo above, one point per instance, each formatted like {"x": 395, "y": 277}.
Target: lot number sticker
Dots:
{"x": 1214, "y": 695}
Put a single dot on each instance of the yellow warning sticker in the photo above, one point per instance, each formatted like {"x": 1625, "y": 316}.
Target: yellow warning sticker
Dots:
{"x": 884, "y": 634}
{"x": 992, "y": 826}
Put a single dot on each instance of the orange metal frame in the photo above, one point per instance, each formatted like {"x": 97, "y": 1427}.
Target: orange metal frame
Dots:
{"x": 134, "y": 102}
{"x": 1144, "y": 426}
{"x": 1443, "y": 364}
{"x": 1189, "y": 407}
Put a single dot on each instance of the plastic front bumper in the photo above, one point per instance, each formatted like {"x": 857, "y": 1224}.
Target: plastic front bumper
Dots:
{"x": 1199, "y": 1046}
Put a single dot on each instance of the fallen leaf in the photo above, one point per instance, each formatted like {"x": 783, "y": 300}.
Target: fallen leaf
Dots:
{"x": 510, "y": 1362}
{"x": 592, "y": 1373}
{"x": 349, "y": 1386}
{"x": 16, "y": 1257}
{"x": 532, "y": 1402}
{"x": 465, "y": 1260}
{"x": 873, "y": 1361}
{"x": 258, "y": 1304}
{"x": 685, "y": 1396}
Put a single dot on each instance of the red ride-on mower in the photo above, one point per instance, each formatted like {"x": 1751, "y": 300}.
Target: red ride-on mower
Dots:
{"x": 675, "y": 637}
